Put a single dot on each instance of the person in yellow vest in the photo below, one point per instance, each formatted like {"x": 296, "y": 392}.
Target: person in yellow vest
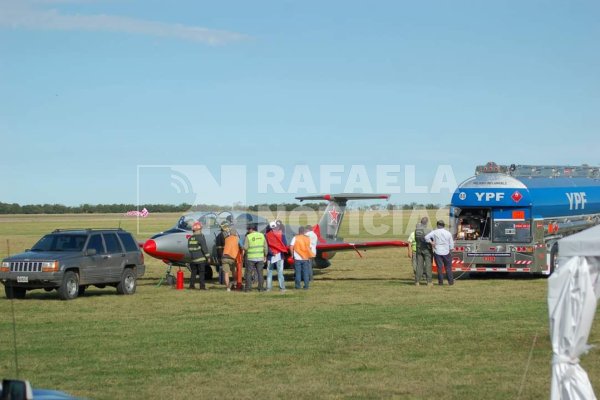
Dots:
{"x": 255, "y": 245}
{"x": 198, "y": 251}
{"x": 231, "y": 249}
{"x": 300, "y": 248}
{"x": 412, "y": 254}
{"x": 412, "y": 250}
{"x": 424, "y": 252}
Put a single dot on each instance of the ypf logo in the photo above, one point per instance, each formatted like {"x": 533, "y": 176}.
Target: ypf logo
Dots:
{"x": 462, "y": 196}
{"x": 489, "y": 196}
{"x": 577, "y": 200}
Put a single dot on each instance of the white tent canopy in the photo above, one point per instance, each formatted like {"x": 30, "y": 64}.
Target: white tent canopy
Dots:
{"x": 573, "y": 292}
{"x": 584, "y": 243}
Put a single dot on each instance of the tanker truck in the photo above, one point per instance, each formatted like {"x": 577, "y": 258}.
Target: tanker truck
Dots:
{"x": 509, "y": 218}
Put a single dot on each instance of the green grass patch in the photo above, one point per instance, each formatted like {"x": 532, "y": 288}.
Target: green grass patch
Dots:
{"x": 362, "y": 331}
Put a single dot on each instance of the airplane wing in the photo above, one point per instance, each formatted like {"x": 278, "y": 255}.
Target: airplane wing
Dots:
{"x": 341, "y": 246}
{"x": 345, "y": 196}
{"x": 326, "y": 250}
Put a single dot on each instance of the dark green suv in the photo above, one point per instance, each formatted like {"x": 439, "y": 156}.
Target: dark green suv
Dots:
{"x": 71, "y": 260}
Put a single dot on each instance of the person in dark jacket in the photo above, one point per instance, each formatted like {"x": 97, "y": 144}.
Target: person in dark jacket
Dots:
{"x": 199, "y": 252}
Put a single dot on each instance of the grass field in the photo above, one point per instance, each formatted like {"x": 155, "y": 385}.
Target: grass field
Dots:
{"x": 363, "y": 331}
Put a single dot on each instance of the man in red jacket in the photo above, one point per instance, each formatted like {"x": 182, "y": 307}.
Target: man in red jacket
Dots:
{"x": 277, "y": 249}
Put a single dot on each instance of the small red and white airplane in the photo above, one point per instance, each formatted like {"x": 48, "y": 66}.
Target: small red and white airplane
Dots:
{"x": 171, "y": 245}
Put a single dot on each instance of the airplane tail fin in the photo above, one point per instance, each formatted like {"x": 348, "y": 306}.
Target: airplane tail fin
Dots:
{"x": 329, "y": 225}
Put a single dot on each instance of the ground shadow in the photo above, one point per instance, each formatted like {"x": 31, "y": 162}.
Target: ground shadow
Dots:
{"x": 501, "y": 276}
{"x": 53, "y": 295}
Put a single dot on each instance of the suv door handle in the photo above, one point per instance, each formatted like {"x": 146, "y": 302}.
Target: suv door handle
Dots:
{"x": 106, "y": 257}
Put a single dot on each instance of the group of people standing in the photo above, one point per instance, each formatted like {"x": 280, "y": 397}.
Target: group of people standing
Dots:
{"x": 424, "y": 244}
{"x": 255, "y": 249}
{"x": 271, "y": 248}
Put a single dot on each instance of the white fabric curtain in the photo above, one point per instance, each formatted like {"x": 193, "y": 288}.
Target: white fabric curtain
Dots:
{"x": 573, "y": 292}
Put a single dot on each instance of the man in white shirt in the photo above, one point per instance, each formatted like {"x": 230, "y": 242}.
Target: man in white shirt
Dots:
{"x": 313, "y": 247}
{"x": 443, "y": 244}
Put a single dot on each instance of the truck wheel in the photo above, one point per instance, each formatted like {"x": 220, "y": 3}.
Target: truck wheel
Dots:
{"x": 553, "y": 257}
{"x": 69, "y": 288}
{"x": 14, "y": 292}
{"x": 128, "y": 282}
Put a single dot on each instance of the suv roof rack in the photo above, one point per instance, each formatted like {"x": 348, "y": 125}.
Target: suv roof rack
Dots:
{"x": 86, "y": 229}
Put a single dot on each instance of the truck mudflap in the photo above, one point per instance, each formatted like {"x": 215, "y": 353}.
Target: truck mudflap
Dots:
{"x": 492, "y": 262}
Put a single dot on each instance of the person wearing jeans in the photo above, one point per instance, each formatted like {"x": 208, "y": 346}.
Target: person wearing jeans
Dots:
{"x": 277, "y": 250}
{"x": 255, "y": 245}
{"x": 300, "y": 248}
{"x": 443, "y": 244}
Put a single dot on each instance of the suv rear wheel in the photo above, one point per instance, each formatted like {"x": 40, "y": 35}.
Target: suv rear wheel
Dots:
{"x": 69, "y": 289}
{"x": 128, "y": 282}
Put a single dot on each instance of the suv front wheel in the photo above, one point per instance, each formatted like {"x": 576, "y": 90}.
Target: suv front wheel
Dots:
{"x": 14, "y": 292}
{"x": 69, "y": 289}
{"x": 128, "y": 282}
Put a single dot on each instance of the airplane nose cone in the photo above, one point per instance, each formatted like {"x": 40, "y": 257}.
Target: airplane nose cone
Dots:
{"x": 150, "y": 247}
{"x": 164, "y": 250}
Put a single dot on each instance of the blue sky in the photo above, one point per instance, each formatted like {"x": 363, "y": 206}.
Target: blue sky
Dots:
{"x": 98, "y": 97}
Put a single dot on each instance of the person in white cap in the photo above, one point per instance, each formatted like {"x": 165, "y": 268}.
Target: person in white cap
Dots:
{"x": 313, "y": 247}
{"x": 277, "y": 250}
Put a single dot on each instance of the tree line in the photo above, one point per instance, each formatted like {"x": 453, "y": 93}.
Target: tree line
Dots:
{"x": 14, "y": 208}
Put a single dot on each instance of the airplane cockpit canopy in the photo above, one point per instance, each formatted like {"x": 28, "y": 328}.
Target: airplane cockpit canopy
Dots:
{"x": 244, "y": 219}
{"x": 225, "y": 216}
{"x": 186, "y": 222}
{"x": 211, "y": 220}
{"x": 208, "y": 221}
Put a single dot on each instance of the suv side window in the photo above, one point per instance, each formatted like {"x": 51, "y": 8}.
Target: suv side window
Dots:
{"x": 96, "y": 243}
{"x": 112, "y": 243}
{"x": 128, "y": 242}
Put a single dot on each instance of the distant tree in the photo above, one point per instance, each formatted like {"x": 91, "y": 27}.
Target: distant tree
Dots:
{"x": 6, "y": 208}
{"x": 32, "y": 209}
{"x": 410, "y": 206}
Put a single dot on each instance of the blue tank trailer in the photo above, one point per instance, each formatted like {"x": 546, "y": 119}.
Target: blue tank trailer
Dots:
{"x": 509, "y": 218}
